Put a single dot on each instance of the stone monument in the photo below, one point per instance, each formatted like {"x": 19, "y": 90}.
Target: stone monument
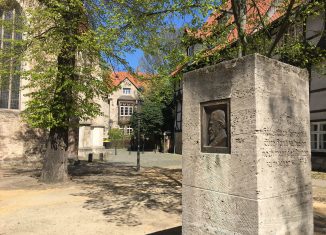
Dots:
{"x": 246, "y": 149}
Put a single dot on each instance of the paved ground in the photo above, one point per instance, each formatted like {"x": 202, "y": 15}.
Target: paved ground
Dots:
{"x": 101, "y": 198}
{"x": 108, "y": 198}
{"x": 147, "y": 159}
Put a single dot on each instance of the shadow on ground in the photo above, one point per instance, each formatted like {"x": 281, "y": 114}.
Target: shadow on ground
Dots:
{"x": 170, "y": 231}
{"x": 319, "y": 223}
{"x": 119, "y": 192}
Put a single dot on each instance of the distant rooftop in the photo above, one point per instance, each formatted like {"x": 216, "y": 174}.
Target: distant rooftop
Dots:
{"x": 118, "y": 77}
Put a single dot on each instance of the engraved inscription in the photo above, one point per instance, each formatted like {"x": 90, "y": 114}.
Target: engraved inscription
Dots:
{"x": 284, "y": 144}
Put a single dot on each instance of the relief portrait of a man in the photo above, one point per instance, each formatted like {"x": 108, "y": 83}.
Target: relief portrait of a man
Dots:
{"x": 217, "y": 136}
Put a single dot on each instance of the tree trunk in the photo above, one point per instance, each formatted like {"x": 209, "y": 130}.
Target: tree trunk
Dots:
{"x": 55, "y": 164}
{"x": 73, "y": 139}
{"x": 239, "y": 9}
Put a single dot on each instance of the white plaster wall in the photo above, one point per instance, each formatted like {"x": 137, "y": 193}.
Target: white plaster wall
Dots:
{"x": 97, "y": 136}
{"x": 81, "y": 136}
{"x": 318, "y": 80}
{"x": 318, "y": 96}
{"x": 318, "y": 100}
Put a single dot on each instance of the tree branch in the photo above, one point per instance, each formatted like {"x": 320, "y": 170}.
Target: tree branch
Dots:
{"x": 261, "y": 19}
{"x": 39, "y": 36}
{"x": 284, "y": 25}
{"x": 239, "y": 12}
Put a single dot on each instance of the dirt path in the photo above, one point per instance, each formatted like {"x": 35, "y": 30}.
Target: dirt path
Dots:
{"x": 92, "y": 203}
{"x": 105, "y": 199}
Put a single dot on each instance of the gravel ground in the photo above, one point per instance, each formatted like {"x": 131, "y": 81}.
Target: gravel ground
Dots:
{"x": 108, "y": 198}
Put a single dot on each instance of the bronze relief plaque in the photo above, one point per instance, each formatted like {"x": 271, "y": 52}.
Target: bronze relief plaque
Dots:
{"x": 215, "y": 126}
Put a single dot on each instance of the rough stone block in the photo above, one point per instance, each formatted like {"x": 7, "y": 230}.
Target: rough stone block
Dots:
{"x": 265, "y": 179}
{"x": 18, "y": 142}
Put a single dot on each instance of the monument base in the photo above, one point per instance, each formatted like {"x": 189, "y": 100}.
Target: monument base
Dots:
{"x": 258, "y": 180}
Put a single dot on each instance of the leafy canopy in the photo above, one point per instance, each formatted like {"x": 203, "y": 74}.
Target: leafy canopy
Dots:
{"x": 151, "y": 119}
{"x": 70, "y": 43}
{"x": 243, "y": 27}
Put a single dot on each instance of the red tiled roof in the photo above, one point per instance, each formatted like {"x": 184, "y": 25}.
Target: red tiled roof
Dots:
{"x": 118, "y": 77}
{"x": 263, "y": 7}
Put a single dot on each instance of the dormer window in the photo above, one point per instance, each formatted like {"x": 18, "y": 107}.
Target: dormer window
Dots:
{"x": 126, "y": 91}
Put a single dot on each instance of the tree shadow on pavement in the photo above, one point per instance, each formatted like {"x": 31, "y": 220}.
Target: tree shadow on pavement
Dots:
{"x": 170, "y": 231}
{"x": 319, "y": 222}
{"x": 119, "y": 192}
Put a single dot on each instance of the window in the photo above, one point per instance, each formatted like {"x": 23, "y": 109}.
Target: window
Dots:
{"x": 126, "y": 91}
{"x": 10, "y": 32}
{"x": 318, "y": 136}
{"x": 127, "y": 130}
{"x": 126, "y": 109}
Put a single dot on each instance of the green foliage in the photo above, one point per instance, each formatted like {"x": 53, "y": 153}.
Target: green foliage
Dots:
{"x": 284, "y": 38}
{"x": 163, "y": 54}
{"x": 115, "y": 134}
{"x": 8, "y": 4}
{"x": 159, "y": 60}
{"x": 65, "y": 77}
{"x": 301, "y": 55}
{"x": 67, "y": 42}
{"x": 151, "y": 119}
{"x": 11, "y": 50}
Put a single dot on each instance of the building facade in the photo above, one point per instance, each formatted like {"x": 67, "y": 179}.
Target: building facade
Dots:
{"x": 123, "y": 101}
{"x": 315, "y": 34}
{"x": 19, "y": 142}
{"x": 117, "y": 109}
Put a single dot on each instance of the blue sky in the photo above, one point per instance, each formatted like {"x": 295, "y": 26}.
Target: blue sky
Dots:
{"x": 134, "y": 58}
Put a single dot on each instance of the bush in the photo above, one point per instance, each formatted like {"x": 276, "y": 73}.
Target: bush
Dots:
{"x": 118, "y": 139}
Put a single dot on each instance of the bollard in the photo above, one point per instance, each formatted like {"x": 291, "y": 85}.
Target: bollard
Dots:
{"x": 90, "y": 157}
{"x": 101, "y": 157}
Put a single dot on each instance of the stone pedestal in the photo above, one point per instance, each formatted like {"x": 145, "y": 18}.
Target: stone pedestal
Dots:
{"x": 97, "y": 136}
{"x": 90, "y": 141}
{"x": 261, "y": 183}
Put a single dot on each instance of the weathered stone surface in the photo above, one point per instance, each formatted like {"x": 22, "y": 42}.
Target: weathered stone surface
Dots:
{"x": 18, "y": 142}
{"x": 268, "y": 169}
{"x": 219, "y": 213}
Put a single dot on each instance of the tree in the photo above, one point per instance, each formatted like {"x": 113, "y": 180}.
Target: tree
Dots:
{"x": 159, "y": 59}
{"x": 163, "y": 54}
{"x": 64, "y": 79}
{"x": 66, "y": 42}
{"x": 151, "y": 119}
{"x": 240, "y": 27}
{"x": 115, "y": 135}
